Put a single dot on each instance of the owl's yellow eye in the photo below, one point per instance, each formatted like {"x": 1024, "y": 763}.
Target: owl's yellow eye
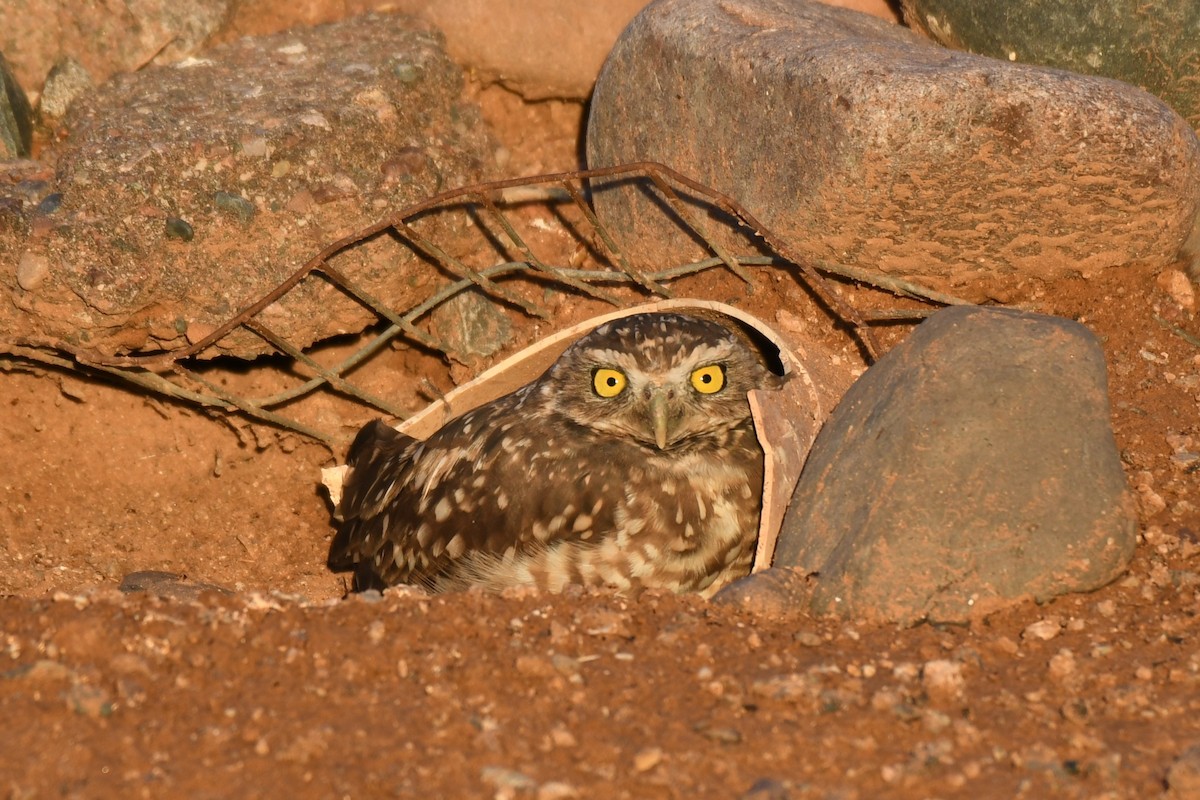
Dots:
{"x": 708, "y": 380}
{"x": 608, "y": 382}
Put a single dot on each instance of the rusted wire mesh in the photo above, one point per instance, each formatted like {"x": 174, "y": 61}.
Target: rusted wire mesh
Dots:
{"x": 524, "y": 245}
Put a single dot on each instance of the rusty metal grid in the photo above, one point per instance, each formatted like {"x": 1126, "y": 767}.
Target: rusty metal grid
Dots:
{"x": 597, "y": 268}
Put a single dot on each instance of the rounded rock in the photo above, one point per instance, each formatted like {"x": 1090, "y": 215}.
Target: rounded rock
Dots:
{"x": 32, "y": 270}
{"x": 972, "y": 467}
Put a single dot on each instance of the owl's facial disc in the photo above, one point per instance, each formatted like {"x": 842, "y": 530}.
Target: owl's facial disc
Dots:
{"x": 656, "y": 409}
{"x": 609, "y": 382}
{"x": 664, "y": 381}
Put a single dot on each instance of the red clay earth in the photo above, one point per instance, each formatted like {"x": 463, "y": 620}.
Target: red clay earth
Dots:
{"x": 282, "y": 688}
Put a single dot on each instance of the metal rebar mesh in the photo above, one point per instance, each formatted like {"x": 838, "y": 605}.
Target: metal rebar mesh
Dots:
{"x": 523, "y": 244}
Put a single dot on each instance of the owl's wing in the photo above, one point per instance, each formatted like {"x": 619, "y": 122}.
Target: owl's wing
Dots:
{"x": 495, "y": 482}
{"x": 378, "y": 460}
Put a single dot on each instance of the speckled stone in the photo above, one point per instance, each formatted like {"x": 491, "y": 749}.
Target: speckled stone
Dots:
{"x": 67, "y": 81}
{"x": 863, "y": 143}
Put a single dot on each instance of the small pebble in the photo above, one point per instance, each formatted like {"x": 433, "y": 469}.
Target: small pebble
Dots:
{"x": 935, "y": 721}
{"x": 647, "y": 759}
{"x": 1075, "y": 710}
{"x": 503, "y": 778}
{"x": 1043, "y": 630}
{"x": 316, "y": 119}
{"x": 179, "y": 229}
{"x": 604, "y": 622}
{"x": 255, "y": 147}
{"x": 1149, "y": 500}
{"x": 556, "y": 790}
{"x": 942, "y": 679}
{"x": 808, "y": 639}
{"x": 719, "y": 733}
{"x": 561, "y": 737}
{"x": 235, "y": 204}
{"x": 50, "y": 203}
{"x": 32, "y": 270}
{"x": 767, "y": 789}
{"x": 1062, "y": 665}
{"x": 68, "y": 79}
{"x": 1177, "y": 286}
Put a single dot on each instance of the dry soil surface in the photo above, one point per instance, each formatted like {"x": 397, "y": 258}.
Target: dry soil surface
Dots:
{"x": 280, "y": 687}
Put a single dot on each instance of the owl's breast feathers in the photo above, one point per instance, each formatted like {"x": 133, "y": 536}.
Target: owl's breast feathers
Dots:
{"x": 496, "y": 499}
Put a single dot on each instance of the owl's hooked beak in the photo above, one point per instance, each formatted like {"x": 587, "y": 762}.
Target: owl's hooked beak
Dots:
{"x": 658, "y": 413}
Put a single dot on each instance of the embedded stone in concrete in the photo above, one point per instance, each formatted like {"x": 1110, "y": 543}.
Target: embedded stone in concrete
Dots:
{"x": 862, "y": 143}
{"x": 971, "y": 467}
{"x": 67, "y": 81}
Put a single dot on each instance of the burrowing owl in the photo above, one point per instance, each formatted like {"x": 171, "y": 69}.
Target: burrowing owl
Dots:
{"x": 631, "y": 462}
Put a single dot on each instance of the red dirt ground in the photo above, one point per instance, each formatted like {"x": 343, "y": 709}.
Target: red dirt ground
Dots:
{"x": 282, "y": 688}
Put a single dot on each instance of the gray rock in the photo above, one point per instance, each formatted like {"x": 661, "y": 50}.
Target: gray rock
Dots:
{"x": 16, "y": 117}
{"x": 865, "y": 144}
{"x": 167, "y": 584}
{"x": 971, "y": 467}
{"x": 68, "y": 79}
{"x": 269, "y": 149}
{"x": 778, "y": 592}
{"x": 472, "y": 326}
{"x": 1152, "y": 46}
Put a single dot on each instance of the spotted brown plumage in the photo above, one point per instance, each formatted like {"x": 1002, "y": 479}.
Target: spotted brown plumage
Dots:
{"x": 631, "y": 462}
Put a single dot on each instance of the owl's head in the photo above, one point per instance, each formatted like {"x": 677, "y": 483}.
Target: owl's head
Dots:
{"x": 665, "y": 380}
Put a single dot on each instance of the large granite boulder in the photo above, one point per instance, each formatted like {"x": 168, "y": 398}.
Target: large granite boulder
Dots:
{"x": 864, "y": 144}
